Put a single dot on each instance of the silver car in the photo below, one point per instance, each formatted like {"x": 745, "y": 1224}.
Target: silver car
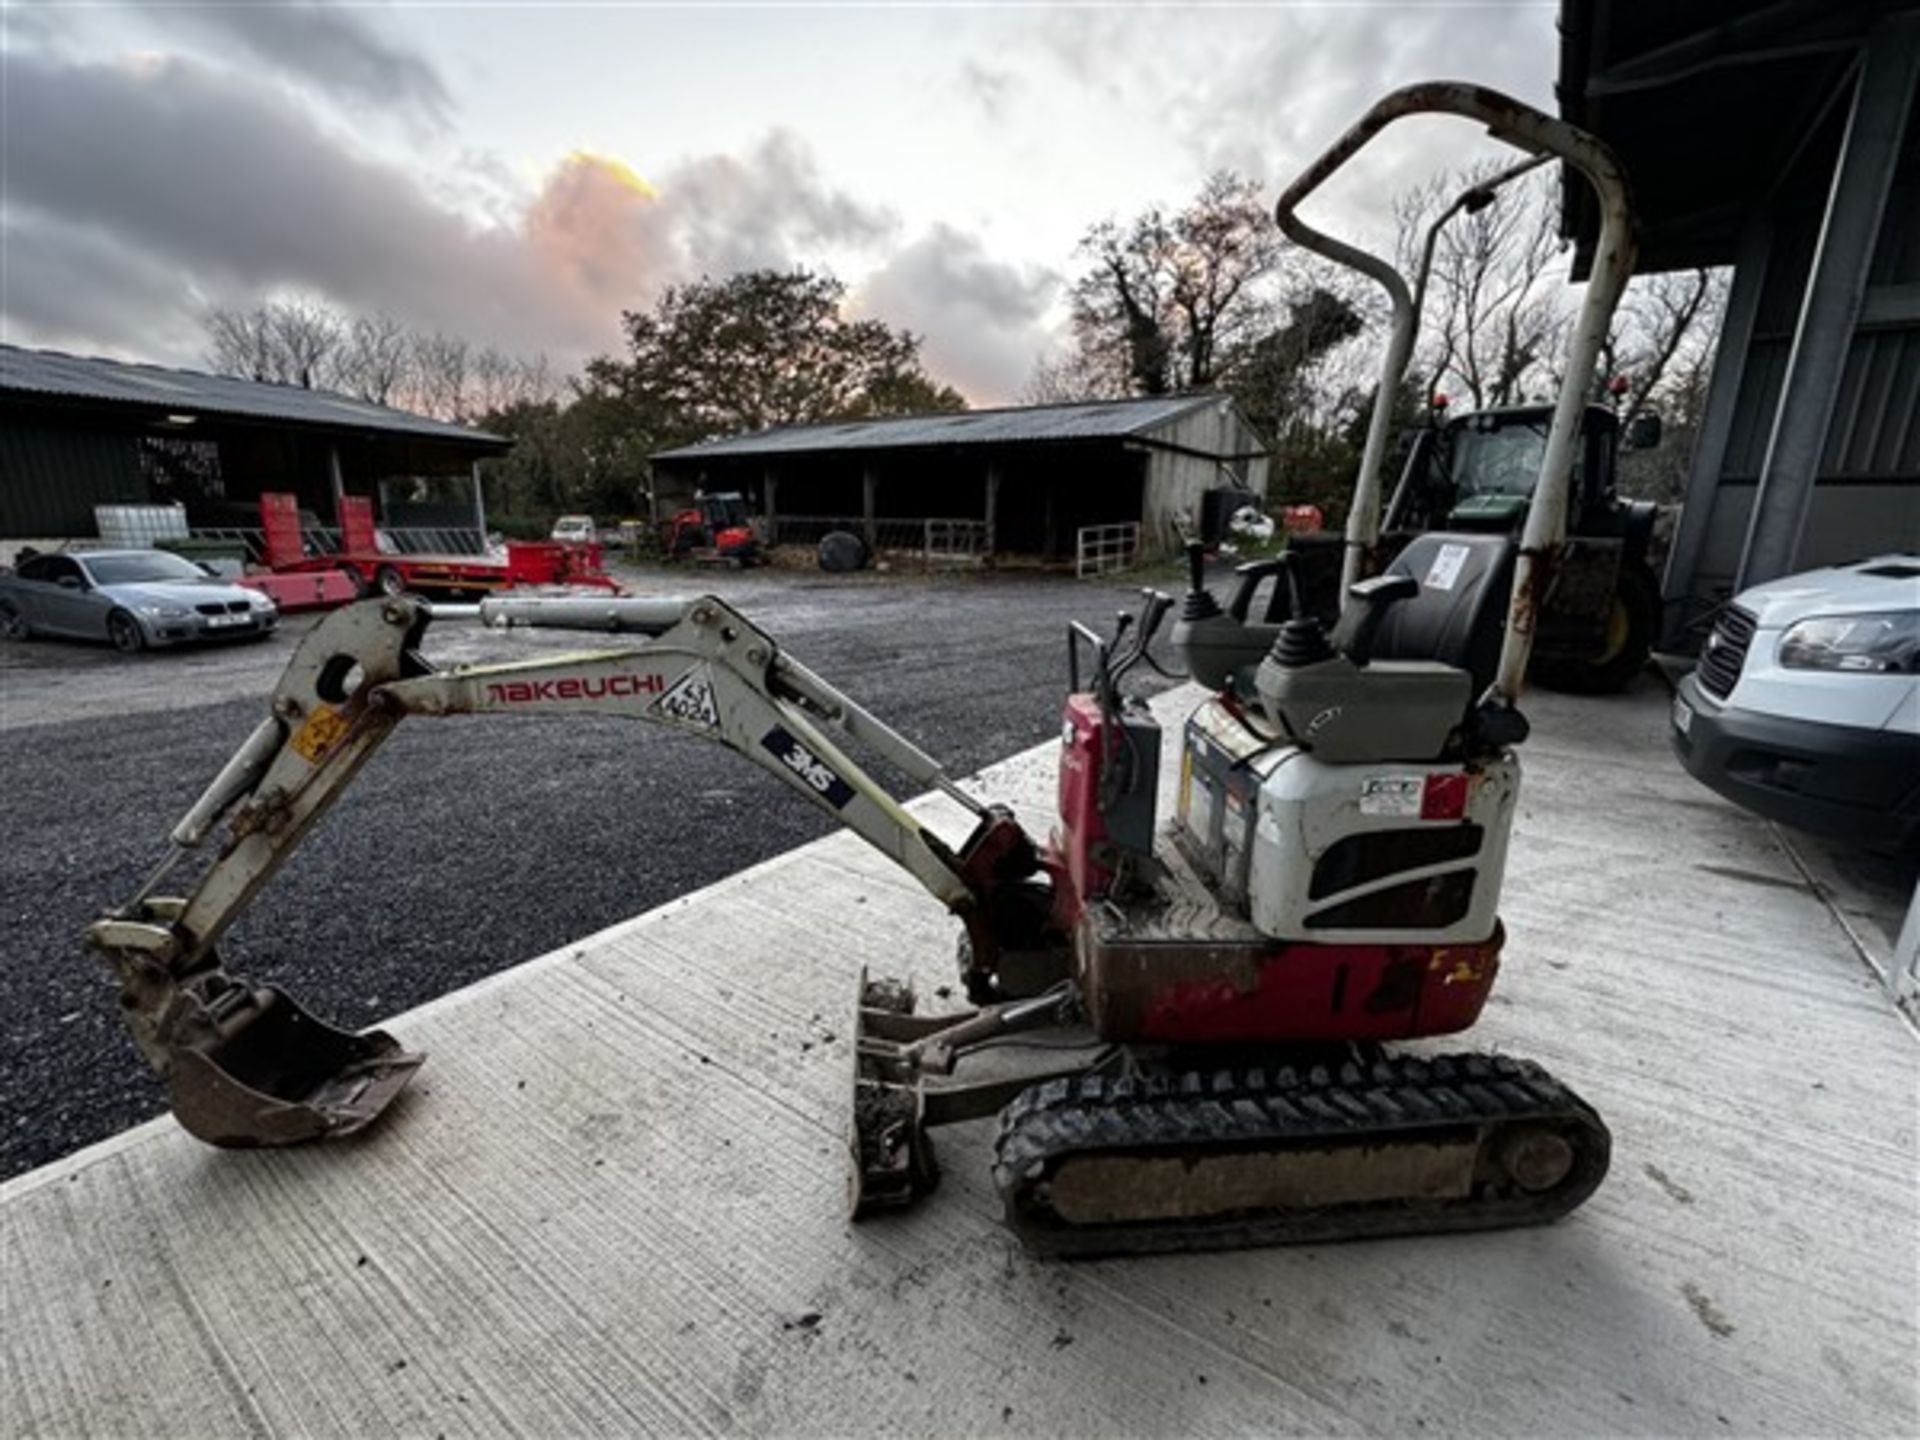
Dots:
{"x": 129, "y": 598}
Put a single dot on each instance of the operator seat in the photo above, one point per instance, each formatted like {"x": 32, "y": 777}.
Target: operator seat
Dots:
{"x": 1399, "y": 678}
{"x": 1459, "y": 614}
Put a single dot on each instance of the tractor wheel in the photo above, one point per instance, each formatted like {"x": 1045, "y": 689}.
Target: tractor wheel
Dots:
{"x": 389, "y": 581}
{"x": 125, "y": 633}
{"x": 1626, "y": 647}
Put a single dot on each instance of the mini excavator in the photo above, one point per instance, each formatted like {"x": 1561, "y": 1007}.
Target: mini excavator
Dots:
{"x": 1182, "y": 1022}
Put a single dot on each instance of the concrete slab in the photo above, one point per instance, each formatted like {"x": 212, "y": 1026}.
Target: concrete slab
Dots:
{"x": 613, "y": 1202}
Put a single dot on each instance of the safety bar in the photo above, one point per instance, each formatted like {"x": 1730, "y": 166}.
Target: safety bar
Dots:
{"x": 1540, "y": 136}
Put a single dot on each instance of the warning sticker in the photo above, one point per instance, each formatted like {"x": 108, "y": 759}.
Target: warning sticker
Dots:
{"x": 1391, "y": 795}
{"x": 321, "y": 732}
{"x": 690, "y": 699}
{"x": 1446, "y": 567}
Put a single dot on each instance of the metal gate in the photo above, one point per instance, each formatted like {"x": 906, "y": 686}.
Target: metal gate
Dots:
{"x": 1101, "y": 548}
{"x": 955, "y": 542}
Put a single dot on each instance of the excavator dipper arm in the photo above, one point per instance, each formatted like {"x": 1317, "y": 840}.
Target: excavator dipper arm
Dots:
{"x": 245, "y": 1065}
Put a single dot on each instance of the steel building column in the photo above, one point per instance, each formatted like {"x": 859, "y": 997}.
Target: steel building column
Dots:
{"x": 1716, "y": 429}
{"x": 336, "y": 485}
{"x": 770, "y": 511}
{"x": 479, "y": 508}
{"x": 1869, "y": 151}
{"x": 992, "y": 506}
{"x": 869, "y": 485}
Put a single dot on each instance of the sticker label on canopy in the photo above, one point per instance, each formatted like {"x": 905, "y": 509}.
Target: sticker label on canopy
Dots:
{"x": 1444, "y": 573}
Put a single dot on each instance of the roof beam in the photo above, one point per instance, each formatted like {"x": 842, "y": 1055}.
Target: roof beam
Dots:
{"x": 1782, "y": 31}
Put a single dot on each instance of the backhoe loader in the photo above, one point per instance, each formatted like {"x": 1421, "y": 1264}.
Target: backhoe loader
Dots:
{"x": 1181, "y": 1022}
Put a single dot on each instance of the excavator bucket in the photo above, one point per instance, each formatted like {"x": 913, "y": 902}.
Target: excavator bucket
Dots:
{"x": 265, "y": 1072}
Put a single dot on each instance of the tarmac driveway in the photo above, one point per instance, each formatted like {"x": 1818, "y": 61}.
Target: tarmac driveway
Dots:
{"x": 466, "y": 846}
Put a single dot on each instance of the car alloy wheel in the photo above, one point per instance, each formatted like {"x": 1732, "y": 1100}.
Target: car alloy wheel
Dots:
{"x": 124, "y": 631}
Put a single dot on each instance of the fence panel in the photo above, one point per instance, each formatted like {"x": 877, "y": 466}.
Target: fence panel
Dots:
{"x": 1099, "y": 549}
{"x": 955, "y": 542}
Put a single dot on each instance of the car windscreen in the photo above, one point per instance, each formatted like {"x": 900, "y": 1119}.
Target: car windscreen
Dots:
{"x": 140, "y": 569}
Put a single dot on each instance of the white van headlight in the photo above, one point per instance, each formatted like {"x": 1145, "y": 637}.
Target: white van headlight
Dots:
{"x": 1879, "y": 644}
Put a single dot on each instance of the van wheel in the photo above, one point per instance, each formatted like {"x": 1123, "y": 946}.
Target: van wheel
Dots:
{"x": 1625, "y": 648}
{"x": 125, "y": 633}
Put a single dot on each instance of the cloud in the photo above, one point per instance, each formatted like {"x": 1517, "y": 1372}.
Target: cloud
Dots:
{"x": 988, "y": 86}
{"x": 338, "y": 52}
{"x": 1284, "y": 82}
{"x": 170, "y": 183}
{"x": 983, "y": 320}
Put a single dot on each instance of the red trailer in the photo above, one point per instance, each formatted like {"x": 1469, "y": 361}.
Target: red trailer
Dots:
{"x": 363, "y": 566}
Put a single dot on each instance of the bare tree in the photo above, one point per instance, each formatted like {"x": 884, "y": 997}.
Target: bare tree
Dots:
{"x": 241, "y": 342}
{"x": 1496, "y": 305}
{"x": 1069, "y": 379}
{"x": 375, "y": 360}
{"x": 1174, "y": 301}
{"x": 439, "y": 373}
{"x": 307, "y": 336}
{"x": 1662, "y": 339}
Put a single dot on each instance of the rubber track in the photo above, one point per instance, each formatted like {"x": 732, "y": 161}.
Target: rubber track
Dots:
{"x": 1192, "y": 1114}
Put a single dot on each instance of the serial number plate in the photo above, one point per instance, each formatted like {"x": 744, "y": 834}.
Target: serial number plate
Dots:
{"x": 1682, "y": 716}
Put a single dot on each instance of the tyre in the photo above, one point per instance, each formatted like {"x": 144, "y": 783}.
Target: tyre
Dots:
{"x": 1627, "y": 647}
{"x": 389, "y": 581}
{"x": 13, "y": 625}
{"x": 842, "y": 551}
{"x": 125, "y": 633}
{"x": 361, "y": 589}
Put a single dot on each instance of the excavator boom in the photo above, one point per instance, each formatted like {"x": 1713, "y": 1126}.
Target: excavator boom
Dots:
{"x": 245, "y": 1064}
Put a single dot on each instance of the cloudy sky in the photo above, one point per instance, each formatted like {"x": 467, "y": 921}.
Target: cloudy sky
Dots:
{"x": 519, "y": 173}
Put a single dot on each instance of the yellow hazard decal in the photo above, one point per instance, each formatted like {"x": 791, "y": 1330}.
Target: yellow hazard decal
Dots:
{"x": 323, "y": 730}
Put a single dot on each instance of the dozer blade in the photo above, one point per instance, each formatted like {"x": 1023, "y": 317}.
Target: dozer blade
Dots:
{"x": 890, "y": 1160}
{"x": 1402, "y": 1146}
{"x": 265, "y": 1072}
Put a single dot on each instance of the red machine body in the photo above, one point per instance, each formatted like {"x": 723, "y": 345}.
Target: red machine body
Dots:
{"x": 1082, "y": 828}
{"x": 1146, "y": 979}
{"x": 713, "y": 528}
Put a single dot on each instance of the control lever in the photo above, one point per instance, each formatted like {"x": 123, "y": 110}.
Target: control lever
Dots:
{"x": 1153, "y": 613}
{"x": 1247, "y": 581}
{"x": 1361, "y": 622}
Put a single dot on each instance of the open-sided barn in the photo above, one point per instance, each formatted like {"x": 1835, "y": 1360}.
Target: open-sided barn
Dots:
{"x": 1028, "y": 481}
{"x": 78, "y": 432}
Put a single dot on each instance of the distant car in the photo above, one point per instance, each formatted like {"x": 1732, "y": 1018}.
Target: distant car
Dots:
{"x": 129, "y": 598}
{"x": 1805, "y": 706}
{"x": 574, "y": 530}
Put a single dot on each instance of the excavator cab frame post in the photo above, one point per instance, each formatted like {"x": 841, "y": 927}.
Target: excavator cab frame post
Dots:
{"x": 1542, "y": 137}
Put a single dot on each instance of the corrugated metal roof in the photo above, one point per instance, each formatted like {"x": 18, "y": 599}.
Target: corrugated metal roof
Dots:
{"x": 117, "y": 382}
{"x": 1094, "y": 420}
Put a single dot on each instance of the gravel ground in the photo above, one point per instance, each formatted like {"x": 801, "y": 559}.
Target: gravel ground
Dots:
{"x": 466, "y": 846}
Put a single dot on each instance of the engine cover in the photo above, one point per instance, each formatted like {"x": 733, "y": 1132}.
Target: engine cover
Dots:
{"x": 1381, "y": 854}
